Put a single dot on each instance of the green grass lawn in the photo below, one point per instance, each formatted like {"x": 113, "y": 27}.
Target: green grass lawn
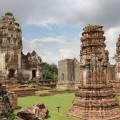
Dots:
{"x": 118, "y": 97}
{"x": 42, "y": 91}
{"x": 51, "y": 102}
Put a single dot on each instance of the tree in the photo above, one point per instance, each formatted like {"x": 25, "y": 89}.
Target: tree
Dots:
{"x": 49, "y": 71}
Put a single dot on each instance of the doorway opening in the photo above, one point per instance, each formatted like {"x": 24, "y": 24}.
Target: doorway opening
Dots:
{"x": 11, "y": 73}
{"x": 33, "y": 73}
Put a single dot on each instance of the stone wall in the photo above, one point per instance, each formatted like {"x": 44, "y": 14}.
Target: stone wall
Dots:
{"x": 69, "y": 73}
{"x": 62, "y": 71}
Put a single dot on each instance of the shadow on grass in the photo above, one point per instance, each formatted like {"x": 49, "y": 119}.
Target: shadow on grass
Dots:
{"x": 18, "y": 108}
{"x": 47, "y": 117}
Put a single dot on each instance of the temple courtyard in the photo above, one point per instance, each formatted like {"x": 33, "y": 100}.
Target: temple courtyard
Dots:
{"x": 51, "y": 102}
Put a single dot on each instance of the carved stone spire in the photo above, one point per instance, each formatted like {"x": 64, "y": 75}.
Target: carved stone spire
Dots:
{"x": 10, "y": 32}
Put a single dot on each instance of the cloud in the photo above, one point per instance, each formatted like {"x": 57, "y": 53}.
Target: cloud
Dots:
{"x": 53, "y": 49}
{"x": 66, "y": 53}
{"x": 49, "y": 40}
{"x": 72, "y": 12}
{"x": 112, "y": 35}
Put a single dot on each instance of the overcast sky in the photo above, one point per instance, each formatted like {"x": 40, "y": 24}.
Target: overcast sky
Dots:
{"x": 53, "y": 27}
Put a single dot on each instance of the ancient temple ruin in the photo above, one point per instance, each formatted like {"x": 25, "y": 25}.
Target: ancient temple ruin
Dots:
{"x": 13, "y": 63}
{"x": 95, "y": 99}
{"x": 116, "y": 82}
{"x": 69, "y": 73}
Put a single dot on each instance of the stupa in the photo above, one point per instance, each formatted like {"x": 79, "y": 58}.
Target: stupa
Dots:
{"x": 116, "y": 83}
{"x": 95, "y": 99}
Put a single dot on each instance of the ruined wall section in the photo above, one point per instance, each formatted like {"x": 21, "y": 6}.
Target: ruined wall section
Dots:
{"x": 62, "y": 71}
{"x": 30, "y": 62}
{"x": 69, "y": 73}
{"x": 78, "y": 71}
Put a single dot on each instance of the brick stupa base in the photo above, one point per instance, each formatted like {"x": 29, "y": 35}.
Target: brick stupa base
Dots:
{"x": 116, "y": 85}
{"x": 95, "y": 101}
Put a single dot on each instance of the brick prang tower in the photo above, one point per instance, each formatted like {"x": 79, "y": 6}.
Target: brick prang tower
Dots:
{"x": 95, "y": 99}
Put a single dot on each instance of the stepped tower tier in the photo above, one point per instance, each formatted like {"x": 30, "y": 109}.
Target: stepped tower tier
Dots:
{"x": 10, "y": 33}
{"x": 93, "y": 54}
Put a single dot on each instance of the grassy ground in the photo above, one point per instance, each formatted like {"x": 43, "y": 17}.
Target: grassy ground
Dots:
{"x": 118, "y": 97}
{"x": 42, "y": 91}
{"x": 51, "y": 102}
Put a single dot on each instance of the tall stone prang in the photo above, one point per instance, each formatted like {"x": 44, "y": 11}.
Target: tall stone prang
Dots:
{"x": 116, "y": 83}
{"x": 13, "y": 63}
{"x": 93, "y": 54}
{"x": 95, "y": 99}
{"x": 10, "y": 44}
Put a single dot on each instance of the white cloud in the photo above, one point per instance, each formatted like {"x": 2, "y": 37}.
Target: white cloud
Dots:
{"x": 49, "y": 40}
{"x": 66, "y": 53}
{"x": 53, "y": 49}
{"x": 44, "y": 22}
{"x": 112, "y": 35}
{"x": 72, "y": 12}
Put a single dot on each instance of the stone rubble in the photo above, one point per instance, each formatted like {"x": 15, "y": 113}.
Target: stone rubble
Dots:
{"x": 6, "y": 105}
{"x": 29, "y": 112}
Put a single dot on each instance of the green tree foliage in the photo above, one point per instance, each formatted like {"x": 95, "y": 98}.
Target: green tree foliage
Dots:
{"x": 49, "y": 71}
